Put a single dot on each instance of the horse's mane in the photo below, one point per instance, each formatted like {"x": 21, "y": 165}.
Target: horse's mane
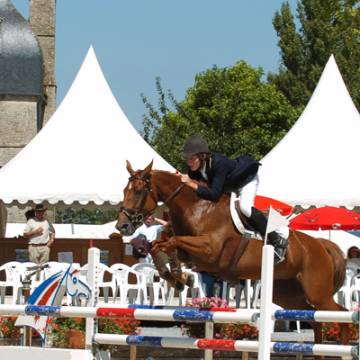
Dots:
{"x": 224, "y": 197}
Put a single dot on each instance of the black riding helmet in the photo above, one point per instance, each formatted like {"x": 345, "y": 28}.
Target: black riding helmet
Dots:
{"x": 195, "y": 145}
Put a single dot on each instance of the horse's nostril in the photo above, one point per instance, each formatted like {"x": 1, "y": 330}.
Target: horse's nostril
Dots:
{"x": 122, "y": 227}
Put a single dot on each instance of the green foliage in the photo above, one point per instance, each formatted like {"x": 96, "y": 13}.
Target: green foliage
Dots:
{"x": 8, "y": 328}
{"x": 231, "y": 107}
{"x": 85, "y": 216}
{"x": 326, "y": 27}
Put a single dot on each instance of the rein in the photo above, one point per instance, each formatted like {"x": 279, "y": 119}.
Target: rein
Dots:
{"x": 136, "y": 216}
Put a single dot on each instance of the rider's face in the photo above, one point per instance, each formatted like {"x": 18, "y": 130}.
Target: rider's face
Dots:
{"x": 193, "y": 162}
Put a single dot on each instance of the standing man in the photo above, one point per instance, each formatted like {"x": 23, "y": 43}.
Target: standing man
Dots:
{"x": 41, "y": 234}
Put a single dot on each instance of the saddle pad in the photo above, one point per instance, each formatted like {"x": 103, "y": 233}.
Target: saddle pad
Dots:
{"x": 237, "y": 221}
{"x": 283, "y": 230}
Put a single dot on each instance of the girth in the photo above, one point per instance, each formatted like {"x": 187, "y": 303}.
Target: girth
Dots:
{"x": 241, "y": 247}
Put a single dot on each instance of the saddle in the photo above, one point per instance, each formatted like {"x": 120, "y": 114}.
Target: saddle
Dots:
{"x": 240, "y": 222}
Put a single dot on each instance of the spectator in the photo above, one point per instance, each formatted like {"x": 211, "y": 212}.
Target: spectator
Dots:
{"x": 144, "y": 235}
{"x": 353, "y": 252}
{"x": 30, "y": 214}
{"x": 353, "y": 259}
{"x": 40, "y": 233}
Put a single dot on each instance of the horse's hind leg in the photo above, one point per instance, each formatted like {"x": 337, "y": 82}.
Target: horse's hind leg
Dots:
{"x": 290, "y": 295}
{"x": 318, "y": 288}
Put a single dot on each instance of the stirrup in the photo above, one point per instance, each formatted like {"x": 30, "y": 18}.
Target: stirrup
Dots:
{"x": 279, "y": 254}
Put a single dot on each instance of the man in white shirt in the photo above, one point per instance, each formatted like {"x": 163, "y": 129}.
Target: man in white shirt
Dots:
{"x": 41, "y": 234}
{"x": 151, "y": 232}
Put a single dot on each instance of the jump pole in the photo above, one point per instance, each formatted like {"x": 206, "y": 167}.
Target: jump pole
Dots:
{"x": 267, "y": 270}
{"x": 93, "y": 261}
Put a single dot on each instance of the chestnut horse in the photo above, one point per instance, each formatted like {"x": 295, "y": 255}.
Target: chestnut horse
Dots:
{"x": 311, "y": 273}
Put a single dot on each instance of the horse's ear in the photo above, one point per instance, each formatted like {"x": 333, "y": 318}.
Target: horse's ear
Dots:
{"x": 129, "y": 168}
{"x": 147, "y": 170}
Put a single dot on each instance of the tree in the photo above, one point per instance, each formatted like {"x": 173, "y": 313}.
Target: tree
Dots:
{"x": 326, "y": 27}
{"x": 231, "y": 107}
{"x": 85, "y": 216}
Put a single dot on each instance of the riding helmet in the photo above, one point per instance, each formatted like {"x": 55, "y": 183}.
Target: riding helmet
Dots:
{"x": 195, "y": 145}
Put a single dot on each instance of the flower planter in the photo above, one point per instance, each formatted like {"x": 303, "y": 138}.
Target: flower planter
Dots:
{"x": 76, "y": 339}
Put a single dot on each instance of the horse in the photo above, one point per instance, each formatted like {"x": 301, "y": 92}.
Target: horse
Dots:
{"x": 204, "y": 234}
{"x": 50, "y": 293}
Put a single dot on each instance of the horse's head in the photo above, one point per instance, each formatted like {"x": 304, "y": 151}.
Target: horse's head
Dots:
{"x": 75, "y": 287}
{"x": 139, "y": 200}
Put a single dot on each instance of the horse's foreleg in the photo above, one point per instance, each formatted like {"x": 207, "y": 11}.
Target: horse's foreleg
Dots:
{"x": 197, "y": 247}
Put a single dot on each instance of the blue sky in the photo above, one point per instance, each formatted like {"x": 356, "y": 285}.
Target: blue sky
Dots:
{"x": 137, "y": 40}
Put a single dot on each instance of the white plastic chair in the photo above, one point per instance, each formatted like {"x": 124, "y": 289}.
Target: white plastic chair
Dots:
{"x": 256, "y": 286}
{"x": 198, "y": 287}
{"x": 343, "y": 296}
{"x": 101, "y": 269}
{"x": 123, "y": 274}
{"x": 240, "y": 289}
{"x": 13, "y": 270}
{"x": 355, "y": 292}
{"x": 151, "y": 280}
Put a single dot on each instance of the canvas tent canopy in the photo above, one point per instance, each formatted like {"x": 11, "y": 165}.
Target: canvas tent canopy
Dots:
{"x": 317, "y": 162}
{"x": 80, "y": 154}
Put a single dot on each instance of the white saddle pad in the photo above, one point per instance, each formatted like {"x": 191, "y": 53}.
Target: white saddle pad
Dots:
{"x": 237, "y": 221}
{"x": 283, "y": 230}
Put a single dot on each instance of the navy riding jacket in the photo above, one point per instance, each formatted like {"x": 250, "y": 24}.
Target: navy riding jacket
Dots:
{"x": 225, "y": 175}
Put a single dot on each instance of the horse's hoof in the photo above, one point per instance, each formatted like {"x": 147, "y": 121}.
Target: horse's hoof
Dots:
{"x": 190, "y": 280}
{"x": 179, "y": 286}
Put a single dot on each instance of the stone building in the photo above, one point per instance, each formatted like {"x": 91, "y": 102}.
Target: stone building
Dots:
{"x": 27, "y": 76}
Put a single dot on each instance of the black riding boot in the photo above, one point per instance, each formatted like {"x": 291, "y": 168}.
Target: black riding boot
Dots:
{"x": 280, "y": 245}
{"x": 258, "y": 221}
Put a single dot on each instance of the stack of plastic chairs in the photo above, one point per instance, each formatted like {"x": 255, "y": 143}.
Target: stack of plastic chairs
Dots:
{"x": 198, "y": 288}
{"x": 343, "y": 296}
{"x": 128, "y": 282}
{"x": 101, "y": 270}
{"x": 151, "y": 281}
{"x": 13, "y": 270}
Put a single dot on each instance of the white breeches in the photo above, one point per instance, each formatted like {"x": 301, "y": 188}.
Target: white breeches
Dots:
{"x": 246, "y": 196}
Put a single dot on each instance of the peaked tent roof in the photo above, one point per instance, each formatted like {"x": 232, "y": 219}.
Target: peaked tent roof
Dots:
{"x": 317, "y": 162}
{"x": 80, "y": 154}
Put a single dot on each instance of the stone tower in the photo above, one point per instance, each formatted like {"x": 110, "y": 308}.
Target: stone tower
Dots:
{"x": 27, "y": 78}
{"x": 42, "y": 20}
{"x": 21, "y": 82}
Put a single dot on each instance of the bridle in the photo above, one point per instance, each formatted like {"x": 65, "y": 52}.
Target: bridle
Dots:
{"x": 136, "y": 215}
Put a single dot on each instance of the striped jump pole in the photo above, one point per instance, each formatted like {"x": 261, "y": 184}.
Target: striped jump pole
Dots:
{"x": 227, "y": 345}
{"x": 161, "y": 313}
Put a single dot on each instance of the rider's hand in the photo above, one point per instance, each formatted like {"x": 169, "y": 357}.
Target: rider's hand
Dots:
{"x": 185, "y": 179}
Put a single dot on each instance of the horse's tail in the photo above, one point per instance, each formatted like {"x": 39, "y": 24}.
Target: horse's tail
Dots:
{"x": 339, "y": 262}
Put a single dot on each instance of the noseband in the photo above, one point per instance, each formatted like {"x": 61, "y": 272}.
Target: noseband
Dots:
{"x": 136, "y": 216}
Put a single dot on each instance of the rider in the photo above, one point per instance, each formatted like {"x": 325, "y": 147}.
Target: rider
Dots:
{"x": 223, "y": 175}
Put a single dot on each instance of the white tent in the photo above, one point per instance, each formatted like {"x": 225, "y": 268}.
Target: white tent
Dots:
{"x": 69, "y": 230}
{"x": 79, "y": 156}
{"x": 317, "y": 162}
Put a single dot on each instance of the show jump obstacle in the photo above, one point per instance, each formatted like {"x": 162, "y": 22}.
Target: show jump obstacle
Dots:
{"x": 162, "y": 313}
